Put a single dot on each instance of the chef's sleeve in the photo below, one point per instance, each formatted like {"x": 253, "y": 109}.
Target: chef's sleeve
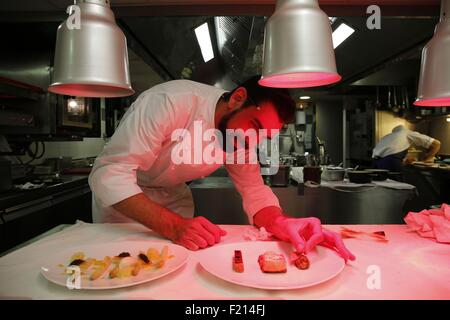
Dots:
{"x": 135, "y": 144}
{"x": 249, "y": 183}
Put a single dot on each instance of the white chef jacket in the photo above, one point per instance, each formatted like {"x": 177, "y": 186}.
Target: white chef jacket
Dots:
{"x": 138, "y": 156}
{"x": 399, "y": 141}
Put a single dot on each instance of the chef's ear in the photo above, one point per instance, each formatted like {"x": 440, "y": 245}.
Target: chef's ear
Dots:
{"x": 237, "y": 98}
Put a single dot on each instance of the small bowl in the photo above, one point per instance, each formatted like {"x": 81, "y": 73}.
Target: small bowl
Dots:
{"x": 359, "y": 176}
{"x": 331, "y": 174}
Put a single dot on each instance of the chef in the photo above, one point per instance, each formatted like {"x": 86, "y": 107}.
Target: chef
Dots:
{"x": 135, "y": 178}
{"x": 392, "y": 149}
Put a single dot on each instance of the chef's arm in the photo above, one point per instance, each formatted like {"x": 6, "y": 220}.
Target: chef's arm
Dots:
{"x": 192, "y": 233}
{"x": 432, "y": 151}
{"x": 154, "y": 216}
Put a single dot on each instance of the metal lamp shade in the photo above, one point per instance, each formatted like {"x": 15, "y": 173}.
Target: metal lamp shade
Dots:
{"x": 298, "y": 47}
{"x": 92, "y": 61}
{"x": 434, "y": 83}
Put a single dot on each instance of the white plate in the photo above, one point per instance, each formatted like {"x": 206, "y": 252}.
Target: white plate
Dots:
{"x": 55, "y": 273}
{"x": 324, "y": 265}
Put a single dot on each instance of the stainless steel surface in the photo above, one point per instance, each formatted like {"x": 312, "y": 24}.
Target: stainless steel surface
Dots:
{"x": 330, "y": 174}
{"x": 281, "y": 178}
{"x": 298, "y": 48}
{"x": 285, "y": 144}
{"x": 218, "y": 200}
{"x": 434, "y": 83}
{"x": 92, "y": 61}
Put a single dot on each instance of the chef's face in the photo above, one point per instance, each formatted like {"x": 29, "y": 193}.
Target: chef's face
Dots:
{"x": 254, "y": 117}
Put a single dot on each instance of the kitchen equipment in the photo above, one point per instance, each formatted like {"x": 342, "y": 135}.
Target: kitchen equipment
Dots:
{"x": 356, "y": 176}
{"x": 434, "y": 81}
{"x": 395, "y": 107}
{"x": 396, "y": 176}
{"x": 19, "y": 171}
{"x": 389, "y": 105}
{"x": 321, "y": 148}
{"x": 281, "y": 178}
{"x": 377, "y": 103}
{"x": 91, "y": 59}
{"x": 6, "y": 175}
{"x": 285, "y": 144}
{"x": 312, "y": 173}
{"x": 58, "y": 164}
{"x": 333, "y": 174}
{"x": 75, "y": 112}
{"x": 310, "y": 61}
{"x": 404, "y": 94}
{"x": 378, "y": 174}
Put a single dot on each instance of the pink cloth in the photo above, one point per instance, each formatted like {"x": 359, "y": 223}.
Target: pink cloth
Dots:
{"x": 433, "y": 223}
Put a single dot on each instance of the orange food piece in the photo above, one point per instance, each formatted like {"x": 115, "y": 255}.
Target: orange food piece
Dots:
{"x": 238, "y": 262}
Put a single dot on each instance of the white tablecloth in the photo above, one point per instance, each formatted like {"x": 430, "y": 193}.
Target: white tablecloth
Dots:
{"x": 411, "y": 268}
{"x": 390, "y": 184}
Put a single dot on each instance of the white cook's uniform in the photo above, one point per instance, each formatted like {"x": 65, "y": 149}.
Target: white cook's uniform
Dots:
{"x": 399, "y": 141}
{"x": 138, "y": 156}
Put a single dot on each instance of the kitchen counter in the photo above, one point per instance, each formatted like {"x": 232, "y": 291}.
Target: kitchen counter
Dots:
{"x": 27, "y": 214}
{"x": 432, "y": 182}
{"x": 410, "y": 267}
{"x": 216, "y": 199}
{"x": 20, "y": 197}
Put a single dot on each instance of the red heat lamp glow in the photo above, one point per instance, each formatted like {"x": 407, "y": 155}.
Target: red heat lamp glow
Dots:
{"x": 89, "y": 90}
{"x": 437, "y": 102}
{"x": 299, "y": 80}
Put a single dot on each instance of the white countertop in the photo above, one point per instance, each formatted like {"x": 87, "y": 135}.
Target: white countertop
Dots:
{"x": 410, "y": 268}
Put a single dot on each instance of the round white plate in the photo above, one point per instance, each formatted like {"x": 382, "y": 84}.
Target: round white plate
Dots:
{"x": 324, "y": 265}
{"x": 55, "y": 273}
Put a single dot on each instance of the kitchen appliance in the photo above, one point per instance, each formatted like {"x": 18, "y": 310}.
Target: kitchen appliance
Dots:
{"x": 75, "y": 112}
{"x": 91, "y": 58}
{"x": 434, "y": 81}
{"x": 6, "y": 176}
{"x": 298, "y": 47}
{"x": 285, "y": 144}
{"x": 359, "y": 176}
{"x": 333, "y": 174}
{"x": 281, "y": 178}
{"x": 312, "y": 173}
{"x": 58, "y": 164}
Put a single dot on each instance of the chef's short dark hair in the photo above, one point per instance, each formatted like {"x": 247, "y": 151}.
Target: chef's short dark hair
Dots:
{"x": 280, "y": 98}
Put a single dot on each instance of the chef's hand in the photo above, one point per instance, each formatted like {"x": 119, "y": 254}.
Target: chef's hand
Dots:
{"x": 196, "y": 233}
{"x": 333, "y": 241}
{"x": 304, "y": 233}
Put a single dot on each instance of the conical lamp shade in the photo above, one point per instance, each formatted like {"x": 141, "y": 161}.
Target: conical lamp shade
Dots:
{"x": 298, "y": 47}
{"x": 92, "y": 61}
{"x": 434, "y": 83}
